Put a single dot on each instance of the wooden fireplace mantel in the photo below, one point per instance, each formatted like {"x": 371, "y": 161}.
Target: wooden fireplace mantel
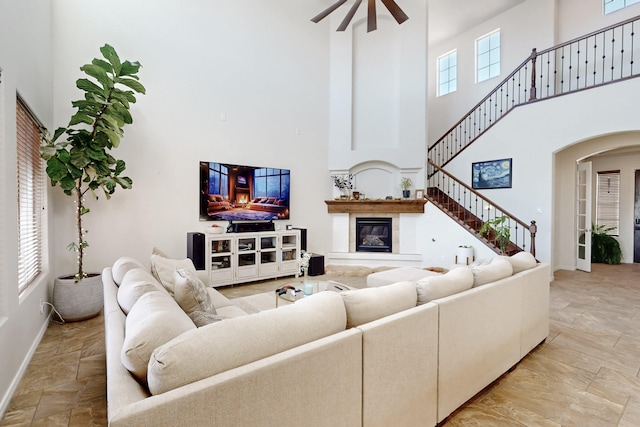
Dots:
{"x": 375, "y": 206}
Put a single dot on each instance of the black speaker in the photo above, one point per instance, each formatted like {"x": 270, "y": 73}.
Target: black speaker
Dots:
{"x": 303, "y": 238}
{"x": 195, "y": 249}
{"x": 316, "y": 265}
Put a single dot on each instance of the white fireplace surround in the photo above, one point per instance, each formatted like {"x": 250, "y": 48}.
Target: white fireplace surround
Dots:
{"x": 377, "y": 179}
{"x": 404, "y": 253}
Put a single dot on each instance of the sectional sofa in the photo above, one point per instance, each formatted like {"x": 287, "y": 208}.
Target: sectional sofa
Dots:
{"x": 399, "y": 354}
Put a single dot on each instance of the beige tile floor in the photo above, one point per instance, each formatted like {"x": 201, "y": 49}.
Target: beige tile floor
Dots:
{"x": 585, "y": 374}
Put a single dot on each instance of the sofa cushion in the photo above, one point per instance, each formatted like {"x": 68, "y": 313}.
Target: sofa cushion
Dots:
{"x": 121, "y": 266}
{"x": 190, "y": 293}
{"x": 433, "y": 287}
{"x": 153, "y": 320}
{"x": 219, "y": 347}
{"x": 136, "y": 283}
{"x": 368, "y": 304}
{"x": 521, "y": 261}
{"x": 164, "y": 268}
{"x": 491, "y": 270}
{"x": 394, "y": 275}
{"x": 203, "y": 318}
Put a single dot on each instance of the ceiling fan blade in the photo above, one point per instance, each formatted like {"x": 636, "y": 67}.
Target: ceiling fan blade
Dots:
{"x": 347, "y": 19}
{"x": 395, "y": 10}
{"x": 327, "y": 11}
{"x": 372, "y": 23}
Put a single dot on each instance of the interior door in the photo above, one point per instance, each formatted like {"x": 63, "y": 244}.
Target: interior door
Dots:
{"x": 583, "y": 216}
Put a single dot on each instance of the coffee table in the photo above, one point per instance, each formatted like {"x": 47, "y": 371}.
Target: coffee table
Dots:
{"x": 295, "y": 291}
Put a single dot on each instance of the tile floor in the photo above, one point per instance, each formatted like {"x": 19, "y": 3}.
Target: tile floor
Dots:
{"x": 585, "y": 374}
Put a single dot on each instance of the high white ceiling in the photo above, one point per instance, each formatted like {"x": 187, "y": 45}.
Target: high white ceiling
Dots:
{"x": 448, "y": 18}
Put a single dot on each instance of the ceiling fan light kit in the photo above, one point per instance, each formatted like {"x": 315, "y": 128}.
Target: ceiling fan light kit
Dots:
{"x": 372, "y": 24}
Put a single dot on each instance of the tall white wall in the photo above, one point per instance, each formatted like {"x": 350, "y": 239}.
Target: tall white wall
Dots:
{"x": 526, "y": 26}
{"x": 238, "y": 82}
{"x": 378, "y": 98}
{"x": 544, "y": 187}
{"x": 25, "y": 64}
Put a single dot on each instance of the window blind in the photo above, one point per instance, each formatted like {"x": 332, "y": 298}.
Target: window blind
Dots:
{"x": 30, "y": 180}
{"x": 608, "y": 201}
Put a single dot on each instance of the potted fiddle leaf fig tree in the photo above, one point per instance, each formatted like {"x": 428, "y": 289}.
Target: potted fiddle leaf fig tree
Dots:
{"x": 79, "y": 160}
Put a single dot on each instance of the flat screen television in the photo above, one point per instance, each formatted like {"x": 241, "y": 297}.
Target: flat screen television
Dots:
{"x": 231, "y": 192}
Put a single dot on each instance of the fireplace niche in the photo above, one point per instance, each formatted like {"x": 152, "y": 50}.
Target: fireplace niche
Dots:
{"x": 374, "y": 235}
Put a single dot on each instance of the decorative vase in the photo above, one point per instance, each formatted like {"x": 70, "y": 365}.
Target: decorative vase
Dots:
{"x": 308, "y": 284}
{"x": 406, "y": 193}
{"x": 75, "y": 301}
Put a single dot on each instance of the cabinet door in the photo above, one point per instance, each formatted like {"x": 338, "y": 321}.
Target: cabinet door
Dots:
{"x": 290, "y": 252}
{"x": 268, "y": 255}
{"x": 247, "y": 266}
{"x": 221, "y": 262}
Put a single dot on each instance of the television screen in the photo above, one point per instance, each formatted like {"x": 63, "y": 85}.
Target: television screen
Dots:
{"x": 243, "y": 193}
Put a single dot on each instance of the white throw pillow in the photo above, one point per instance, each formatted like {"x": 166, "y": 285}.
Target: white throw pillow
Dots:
{"x": 154, "y": 320}
{"x": 164, "y": 269}
{"x": 368, "y": 304}
{"x": 136, "y": 283}
{"x": 190, "y": 293}
{"x": 521, "y": 261}
{"x": 121, "y": 266}
{"x": 497, "y": 269}
{"x": 434, "y": 287}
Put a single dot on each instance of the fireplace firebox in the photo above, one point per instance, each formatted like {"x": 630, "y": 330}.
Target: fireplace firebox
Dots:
{"x": 373, "y": 235}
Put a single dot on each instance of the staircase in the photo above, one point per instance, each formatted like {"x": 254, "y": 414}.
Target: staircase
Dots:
{"x": 602, "y": 57}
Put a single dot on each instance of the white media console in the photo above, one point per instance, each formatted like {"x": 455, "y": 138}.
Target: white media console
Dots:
{"x": 232, "y": 258}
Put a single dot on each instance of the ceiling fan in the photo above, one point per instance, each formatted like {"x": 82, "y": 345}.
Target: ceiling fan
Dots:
{"x": 372, "y": 24}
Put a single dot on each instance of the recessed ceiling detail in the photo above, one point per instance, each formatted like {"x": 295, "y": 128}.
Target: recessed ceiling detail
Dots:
{"x": 372, "y": 24}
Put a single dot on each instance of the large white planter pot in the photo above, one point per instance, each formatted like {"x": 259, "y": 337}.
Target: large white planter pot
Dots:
{"x": 464, "y": 256}
{"x": 81, "y": 300}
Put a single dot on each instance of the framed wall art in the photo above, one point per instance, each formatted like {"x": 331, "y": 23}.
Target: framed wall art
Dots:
{"x": 419, "y": 194}
{"x": 491, "y": 174}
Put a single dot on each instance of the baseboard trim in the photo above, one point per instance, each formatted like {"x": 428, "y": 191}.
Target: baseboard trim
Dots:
{"x": 6, "y": 399}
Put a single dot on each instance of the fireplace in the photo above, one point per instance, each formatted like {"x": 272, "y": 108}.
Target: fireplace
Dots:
{"x": 373, "y": 234}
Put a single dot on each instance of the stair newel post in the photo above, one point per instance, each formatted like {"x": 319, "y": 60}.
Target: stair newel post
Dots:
{"x": 532, "y": 92}
{"x": 533, "y": 228}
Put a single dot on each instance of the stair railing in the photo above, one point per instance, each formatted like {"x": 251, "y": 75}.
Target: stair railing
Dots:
{"x": 601, "y": 57}
{"x": 471, "y": 209}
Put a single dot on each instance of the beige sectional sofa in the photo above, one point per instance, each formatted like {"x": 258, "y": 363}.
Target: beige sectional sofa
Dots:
{"x": 379, "y": 356}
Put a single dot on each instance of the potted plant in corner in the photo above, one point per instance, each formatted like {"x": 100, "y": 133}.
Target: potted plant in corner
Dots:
{"x": 406, "y": 184}
{"x": 498, "y": 229}
{"x": 79, "y": 160}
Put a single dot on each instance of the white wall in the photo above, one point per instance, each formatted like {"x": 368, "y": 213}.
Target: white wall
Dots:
{"x": 264, "y": 67}
{"x": 580, "y": 17}
{"x": 378, "y": 86}
{"x": 25, "y": 63}
{"x": 524, "y": 27}
{"x": 543, "y": 189}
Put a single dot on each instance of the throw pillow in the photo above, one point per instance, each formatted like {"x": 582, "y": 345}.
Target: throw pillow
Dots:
{"x": 121, "y": 266}
{"x": 203, "y": 318}
{"x": 368, "y": 304}
{"x": 154, "y": 320}
{"x": 433, "y": 287}
{"x": 190, "y": 293}
{"x": 163, "y": 269}
{"x": 495, "y": 270}
{"x": 521, "y": 261}
{"x": 136, "y": 283}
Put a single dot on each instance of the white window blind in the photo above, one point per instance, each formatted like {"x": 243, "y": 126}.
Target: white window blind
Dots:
{"x": 608, "y": 201}
{"x": 30, "y": 179}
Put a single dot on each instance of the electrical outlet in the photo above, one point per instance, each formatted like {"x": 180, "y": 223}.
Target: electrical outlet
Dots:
{"x": 41, "y": 306}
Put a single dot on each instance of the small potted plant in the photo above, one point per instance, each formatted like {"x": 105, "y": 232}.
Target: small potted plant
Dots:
{"x": 79, "y": 160}
{"x": 406, "y": 184}
{"x": 344, "y": 183}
